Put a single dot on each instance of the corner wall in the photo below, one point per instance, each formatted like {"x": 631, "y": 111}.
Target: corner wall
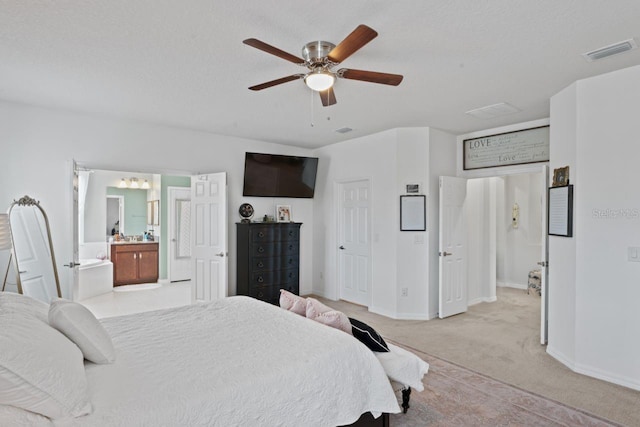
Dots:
{"x": 594, "y": 291}
{"x": 390, "y": 160}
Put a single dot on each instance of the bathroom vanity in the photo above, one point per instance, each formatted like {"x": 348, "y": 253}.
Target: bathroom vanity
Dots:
{"x": 134, "y": 262}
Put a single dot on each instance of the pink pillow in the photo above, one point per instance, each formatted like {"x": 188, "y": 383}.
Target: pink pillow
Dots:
{"x": 293, "y": 302}
{"x": 328, "y": 316}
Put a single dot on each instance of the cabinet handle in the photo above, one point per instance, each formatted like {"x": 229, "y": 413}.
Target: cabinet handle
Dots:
{"x": 260, "y": 279}
{"x": 140, "y": 255}
{"x": 260, "y": 249}
{"x": 135, "y": 256}
{"x": 291, "y": 233}
{"x": 290, "y": 275}
{"x": 290, "y": 261}
{"x": 290, "y": 247}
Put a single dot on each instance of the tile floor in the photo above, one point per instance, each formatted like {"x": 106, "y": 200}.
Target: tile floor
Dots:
{"x": 124, "y": 301}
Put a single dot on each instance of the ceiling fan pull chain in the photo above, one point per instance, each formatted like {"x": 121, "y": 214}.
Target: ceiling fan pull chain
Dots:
{"x": 311, "y": 93}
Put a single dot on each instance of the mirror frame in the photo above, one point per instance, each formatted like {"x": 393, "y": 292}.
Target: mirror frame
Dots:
{"x": 28, "y": 201}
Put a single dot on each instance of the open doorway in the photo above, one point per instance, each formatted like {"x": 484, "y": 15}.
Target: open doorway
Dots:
{"x": 506, "y": 236}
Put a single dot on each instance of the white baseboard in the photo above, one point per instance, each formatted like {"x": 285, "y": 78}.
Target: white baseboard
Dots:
{"x": 482, "y": 299}
{"x": 511, "y": 285}
{"x": 590, "y": 371}
{"x": 399, "y": 316}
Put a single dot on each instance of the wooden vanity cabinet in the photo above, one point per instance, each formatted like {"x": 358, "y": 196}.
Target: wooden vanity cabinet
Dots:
{"x": 134, "y": 263}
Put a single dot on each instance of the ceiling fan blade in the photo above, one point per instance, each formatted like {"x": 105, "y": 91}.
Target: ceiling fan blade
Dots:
{"x": 354, "y": 41}
{"x": 328, "y": 97}
{"x": 277, "y": 82}
{"x": 273, "y": 51}
{"x": 370, "y": 76}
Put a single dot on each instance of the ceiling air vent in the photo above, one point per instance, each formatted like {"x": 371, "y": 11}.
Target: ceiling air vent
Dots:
{"x": 344, "y": 130}
{"x": 610, "y": 50}
{"x": 491, "y": 111}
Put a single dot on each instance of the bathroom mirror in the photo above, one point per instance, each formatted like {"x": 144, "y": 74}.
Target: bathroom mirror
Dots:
{"x": 128, "y": 213}
{"x": 33, "y": 257}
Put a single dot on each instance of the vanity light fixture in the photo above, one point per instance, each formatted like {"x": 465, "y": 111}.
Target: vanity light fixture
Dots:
{"x": 123, "y": 183}
{"x": 145, "y": 185}
{"x": 134, "y": 183}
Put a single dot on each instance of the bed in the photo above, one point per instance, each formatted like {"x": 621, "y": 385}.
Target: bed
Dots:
{"x": 236, "y": 361}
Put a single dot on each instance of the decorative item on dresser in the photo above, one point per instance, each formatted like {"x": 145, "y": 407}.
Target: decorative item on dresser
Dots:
{"x": 268, "y": 259}
{"x": 134, "y": 263}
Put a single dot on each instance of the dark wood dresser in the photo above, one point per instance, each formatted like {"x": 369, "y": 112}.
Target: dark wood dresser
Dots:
{"x": 268, "y": 259}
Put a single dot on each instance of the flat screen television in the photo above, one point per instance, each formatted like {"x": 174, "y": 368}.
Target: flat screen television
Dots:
{"x": 275, "y": 175}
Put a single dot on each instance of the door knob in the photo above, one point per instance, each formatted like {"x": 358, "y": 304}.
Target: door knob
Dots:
{"x": 543, "y": 263}
{"x": 220, "y": 254}
{"x": 445, "y": 253}
{"x": 72, "y": 264}
{"x": 341, "y": 247}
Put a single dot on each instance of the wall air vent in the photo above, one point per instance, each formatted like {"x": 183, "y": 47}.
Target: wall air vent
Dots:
{"x": 613, "y": 49}
{"x": 491, "y": 111}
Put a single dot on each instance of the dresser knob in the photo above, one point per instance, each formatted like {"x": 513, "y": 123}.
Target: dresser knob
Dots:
{"x": 290, "y": 275}
{"x": 290, "y": 260}
{"x": 261, "y": 264}
{"x": 260, "y": 234}
{"x": 260, "y": 279}
{"x": 260, "y": 249}
{"x": 260, "y": 295}
{"x": 290, "y": 247}
{"x": 291, "y": 233}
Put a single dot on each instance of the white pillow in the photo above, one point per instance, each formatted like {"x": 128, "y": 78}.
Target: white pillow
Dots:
{"x": 11, "y": 302}
{"x": 40, "y": 369}
{"x": 81, "y": 326}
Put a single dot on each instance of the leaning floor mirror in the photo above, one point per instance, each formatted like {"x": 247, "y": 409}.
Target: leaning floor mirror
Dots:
{"x": 32, "y": 252}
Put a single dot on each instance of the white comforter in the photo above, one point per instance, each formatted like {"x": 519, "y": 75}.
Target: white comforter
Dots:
{"x": 234, "y": 362}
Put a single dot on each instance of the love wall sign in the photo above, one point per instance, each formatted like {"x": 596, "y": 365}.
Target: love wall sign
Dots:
{"x": 505, "y": 149}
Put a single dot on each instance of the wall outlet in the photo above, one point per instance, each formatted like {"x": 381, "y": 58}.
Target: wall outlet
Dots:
{"x": 633, "y": 254}
{"x": 405, "y": 292}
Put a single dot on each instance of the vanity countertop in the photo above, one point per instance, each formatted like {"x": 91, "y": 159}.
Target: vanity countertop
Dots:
{"x": 123, "y": 242}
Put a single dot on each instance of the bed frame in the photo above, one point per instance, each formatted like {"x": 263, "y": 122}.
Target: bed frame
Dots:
{"x": 367, "y": 420}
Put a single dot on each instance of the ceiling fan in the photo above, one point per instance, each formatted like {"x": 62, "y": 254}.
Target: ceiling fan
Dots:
{"x": 320, "y": 57}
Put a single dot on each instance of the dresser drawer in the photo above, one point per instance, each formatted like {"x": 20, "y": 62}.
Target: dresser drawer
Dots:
{"x": 278, "y": 277}
{"x": 273, "y": 263}
{"x": 271, "y": 248}
{"x": 264, "y": 293}
{"x": 261, "y": 234}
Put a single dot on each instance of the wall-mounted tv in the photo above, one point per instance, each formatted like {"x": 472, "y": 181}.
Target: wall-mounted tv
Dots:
{"x": 275, "y": 175}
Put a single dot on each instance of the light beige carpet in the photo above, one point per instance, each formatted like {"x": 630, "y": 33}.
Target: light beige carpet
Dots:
{"x": 455, "y": 396}
{"x": 502, "y": 340}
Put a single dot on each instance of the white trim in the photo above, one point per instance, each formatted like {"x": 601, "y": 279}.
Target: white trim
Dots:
{"x": 482, "y": 299}
{"x": 512, "y": 285}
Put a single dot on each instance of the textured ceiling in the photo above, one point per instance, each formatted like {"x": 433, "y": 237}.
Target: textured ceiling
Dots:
{"x": 183, "y": 63}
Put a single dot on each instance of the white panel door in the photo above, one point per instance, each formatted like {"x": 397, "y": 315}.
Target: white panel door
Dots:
{"x": 453, "y": 248}
{"x": 354, "y": 243}
{"x": 75, "y": 226}
{"x": 544, "y": 259}
{"x": 209, "y": 236}
{"x": 179, "y": 234}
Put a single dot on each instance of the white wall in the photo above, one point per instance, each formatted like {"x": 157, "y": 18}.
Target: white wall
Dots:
{"x": 522, "y": 245}
{"x": 38, "y": 145}
{"x": 593, "y": 314}
{"x": 390, "y": 160}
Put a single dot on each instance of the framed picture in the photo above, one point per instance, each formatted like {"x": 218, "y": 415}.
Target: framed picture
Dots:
{"x": 283, "y": 213}
{"x": 561, "y": 177}
{"x": 560, "y": 215}
{"x": 413, "y": 213}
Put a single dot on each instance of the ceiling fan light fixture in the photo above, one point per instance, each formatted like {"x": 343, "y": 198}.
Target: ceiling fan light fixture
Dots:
{"x": 320, "y": 79}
